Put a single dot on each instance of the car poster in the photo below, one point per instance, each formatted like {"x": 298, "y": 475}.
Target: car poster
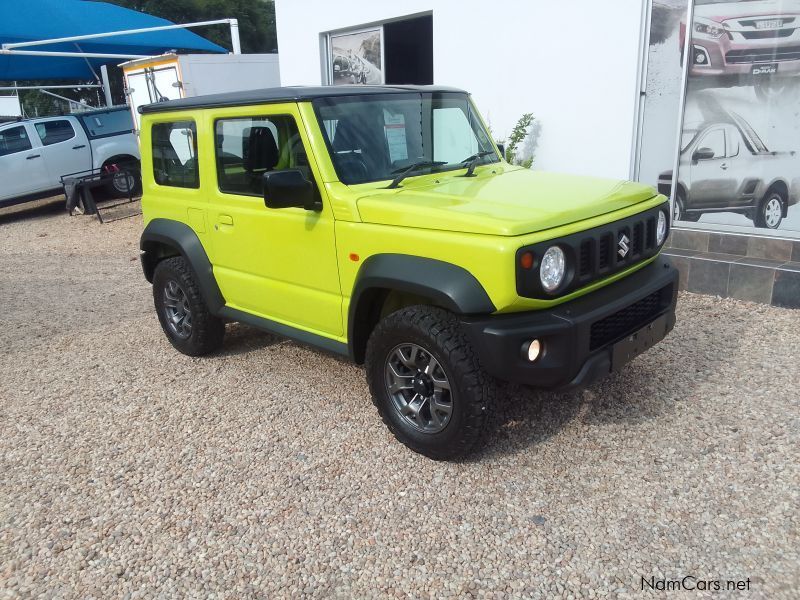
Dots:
{"x": 356, "y": 57}
{"x": 739, "y": 151}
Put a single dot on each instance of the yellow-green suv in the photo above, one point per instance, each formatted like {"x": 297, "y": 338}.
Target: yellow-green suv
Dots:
{"x": 382, "y": 224}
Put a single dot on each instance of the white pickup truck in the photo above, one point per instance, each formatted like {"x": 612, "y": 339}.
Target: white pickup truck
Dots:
{"x": 35, "y": 154}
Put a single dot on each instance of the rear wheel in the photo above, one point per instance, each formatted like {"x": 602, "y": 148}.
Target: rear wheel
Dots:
{"x": 679, "y": 209}
{"x": 427, "y": 383}
{"x": 183, "y": 314}
{"x": 126, "y": 180}
{"x": 769, "y": 213}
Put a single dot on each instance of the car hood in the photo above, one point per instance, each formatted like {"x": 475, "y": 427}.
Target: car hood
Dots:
{"x": 736, "y": 10}
{"x": 511, "y": 202}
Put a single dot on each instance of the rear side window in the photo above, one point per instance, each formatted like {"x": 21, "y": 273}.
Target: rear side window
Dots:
{"x": 13, "y": 140}
{"x": 53, "y": 132}
{"x": 108, "y": 123}
{"x": 175, "y": 154}
{"x": 246, "y": 148}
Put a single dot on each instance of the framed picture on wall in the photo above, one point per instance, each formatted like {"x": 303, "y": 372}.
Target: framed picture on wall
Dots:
{"x": 356, "y": 57}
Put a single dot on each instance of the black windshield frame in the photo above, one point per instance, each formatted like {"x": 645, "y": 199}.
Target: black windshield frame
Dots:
{"x": 428, "y": 102}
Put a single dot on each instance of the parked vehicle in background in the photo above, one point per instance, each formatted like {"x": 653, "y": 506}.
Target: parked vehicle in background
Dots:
{"x": 726, "y": 167}
{"x": 35, "y": 154}
{"x": 382, "y": 224}
{"x": 754, "y": 41}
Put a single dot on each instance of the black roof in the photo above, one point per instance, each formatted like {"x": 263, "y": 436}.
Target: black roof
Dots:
{"x": 287, "y": 94}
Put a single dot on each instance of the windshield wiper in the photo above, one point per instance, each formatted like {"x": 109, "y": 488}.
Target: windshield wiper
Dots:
{"x": 472, "y": 161}
{"x": 404, "y": 172}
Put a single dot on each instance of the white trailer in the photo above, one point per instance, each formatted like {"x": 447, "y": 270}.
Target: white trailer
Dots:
{"x": 173, "y": 76}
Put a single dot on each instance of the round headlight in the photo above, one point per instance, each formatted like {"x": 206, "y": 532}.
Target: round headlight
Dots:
{"x": 661, "y": 227}
{"x": 553, "y": 268}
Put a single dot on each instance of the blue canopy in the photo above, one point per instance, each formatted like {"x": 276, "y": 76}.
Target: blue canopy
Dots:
{"x": 29, "y": 20}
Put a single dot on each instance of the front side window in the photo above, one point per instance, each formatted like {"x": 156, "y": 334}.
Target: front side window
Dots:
{"x": 54, "y": 132}
{"x": 13, "y": 140}
{"x": 715, "y": 141}
{"x": 373, "y": 137}
{"x": 248, "y": 147}
{"x": 175, "y": 154}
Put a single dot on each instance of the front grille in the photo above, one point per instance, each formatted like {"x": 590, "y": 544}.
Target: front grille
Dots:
{"x": 595, "y": 253}
{"x": 641, "y": 234}
{"x": 767, "y": 34}
{"x": 629, "y": 319}
{"x": 763, "y": 55}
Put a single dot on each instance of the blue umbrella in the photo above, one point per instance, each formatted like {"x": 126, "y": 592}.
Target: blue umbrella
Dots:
{"x": 48, "y": 19}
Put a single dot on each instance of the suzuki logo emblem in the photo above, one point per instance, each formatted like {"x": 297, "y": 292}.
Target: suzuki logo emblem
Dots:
{"x": 623, "y": 246}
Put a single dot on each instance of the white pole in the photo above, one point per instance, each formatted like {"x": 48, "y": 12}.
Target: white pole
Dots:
{"x": 235, "y": 43}
{"x": 687, "y": 57}
{"x": 69, "y": 100}
{"x": 13, "y": 52}
{"x": 93, "y": 36}
{"x": 106, "y": 85}
{"x": 49, "y": 87}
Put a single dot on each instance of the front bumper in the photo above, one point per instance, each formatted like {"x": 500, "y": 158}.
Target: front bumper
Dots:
{"x": 718, "y": 62}
{"x": 583, "y": 340}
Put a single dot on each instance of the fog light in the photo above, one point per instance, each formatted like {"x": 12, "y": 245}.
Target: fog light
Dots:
{"x": 532, "y": 350}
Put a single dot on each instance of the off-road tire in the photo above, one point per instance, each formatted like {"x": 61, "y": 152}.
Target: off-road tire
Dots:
{"x": 207, "y": 331}
{"x": 472, "y": 390}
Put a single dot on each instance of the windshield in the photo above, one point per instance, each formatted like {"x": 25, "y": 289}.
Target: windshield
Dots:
{"x": 373, "y": 137}
{"x": 687, "y": 137}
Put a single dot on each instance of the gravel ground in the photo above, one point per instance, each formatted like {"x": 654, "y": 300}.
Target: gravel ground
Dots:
{"x": 129, "y": 470}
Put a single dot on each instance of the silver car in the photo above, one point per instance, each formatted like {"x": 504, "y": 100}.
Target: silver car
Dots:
{"x": 726, "y": 167}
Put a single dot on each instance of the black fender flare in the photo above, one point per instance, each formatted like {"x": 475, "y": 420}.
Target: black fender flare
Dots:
{"x": 179, "y": 238}
{"x": 449, "y": 286}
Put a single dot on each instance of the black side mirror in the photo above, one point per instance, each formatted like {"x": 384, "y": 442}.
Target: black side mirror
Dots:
{"x": 290, "y": 188}
{"x": 702, "y": 154}
{"x": 502, "y": 148}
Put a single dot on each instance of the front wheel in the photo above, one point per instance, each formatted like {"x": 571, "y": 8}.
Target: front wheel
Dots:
{"x": 427, "y": 383}
{"x": 769, "y": 213}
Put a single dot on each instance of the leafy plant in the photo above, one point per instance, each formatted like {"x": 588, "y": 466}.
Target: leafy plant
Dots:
{"x": 520, "y": 133}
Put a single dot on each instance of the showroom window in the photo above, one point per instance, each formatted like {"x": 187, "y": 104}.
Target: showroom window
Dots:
{"x": 394, "y": 52}
{"x": 175, "y": 154}
{"x": 741, "y": 78}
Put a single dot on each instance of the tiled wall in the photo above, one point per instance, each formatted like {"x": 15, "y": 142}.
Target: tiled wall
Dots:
{"x": 737, "y": 266}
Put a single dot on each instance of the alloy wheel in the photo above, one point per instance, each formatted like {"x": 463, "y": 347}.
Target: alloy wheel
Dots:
{"x": 177, "y": 310}
{"x": 123, "y": 182}
{"x": 419, "y": 388}
{"x": 773, "y": 212}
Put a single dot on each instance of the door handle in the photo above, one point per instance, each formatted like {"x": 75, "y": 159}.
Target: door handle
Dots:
{"x": 724, "y": 167}
{"x": 78, "y": 147}
{"x": 32, "y": 156}
{"x": 225, "y": 220}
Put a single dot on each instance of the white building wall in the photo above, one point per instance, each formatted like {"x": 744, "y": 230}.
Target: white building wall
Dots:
{"x": 572, "y": 64}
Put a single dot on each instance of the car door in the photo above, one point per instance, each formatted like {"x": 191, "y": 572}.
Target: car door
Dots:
{"x": 279, "y": 264}
{"x": 739, "y": 169}
{"x": 64, "y": 147}
{"x": 22, "y": 168}
{"x": 711, "y": 184}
